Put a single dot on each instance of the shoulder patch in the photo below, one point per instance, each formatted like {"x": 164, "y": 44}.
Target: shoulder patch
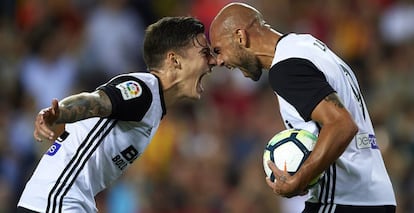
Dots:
{"x": 130, "y": 89}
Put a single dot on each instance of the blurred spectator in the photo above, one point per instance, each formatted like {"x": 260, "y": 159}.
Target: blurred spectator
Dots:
{"x": 48, "y": 71}
{"x": 397, "y": 22}
{"x": 22, "y": 151}
{"x": 113, "y": 41}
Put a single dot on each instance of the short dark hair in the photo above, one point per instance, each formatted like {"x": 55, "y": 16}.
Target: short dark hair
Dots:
{"x": 169, "y": 33}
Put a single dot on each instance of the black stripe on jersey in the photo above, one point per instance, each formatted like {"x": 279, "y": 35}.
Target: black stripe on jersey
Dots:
{"x": 300, "y": 83}
{"x": 84, "y": 162}
{"x": 77, "y": 163}
{"x": 327, "y": 189}
{"x": 327, "y": 192}
{"x": 322, "y": 187}
{"x": 133, "y": 109}
{"x": 333, "y": 186}
{"x": 58, "y": 181}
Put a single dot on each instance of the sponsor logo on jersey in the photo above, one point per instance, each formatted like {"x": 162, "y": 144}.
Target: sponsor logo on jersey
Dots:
{"x": 53, "y": 149}
{"x": 129, "y": 89}
{"x": 126, "y": 156}
{"x": 365, "y": 141}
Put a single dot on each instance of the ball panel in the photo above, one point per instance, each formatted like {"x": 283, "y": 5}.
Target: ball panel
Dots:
{"x": 290, "y": 147}
{"x": 307, "y": 139}
{"x": 285, "y": 134}
{"x": 290, "y": 154}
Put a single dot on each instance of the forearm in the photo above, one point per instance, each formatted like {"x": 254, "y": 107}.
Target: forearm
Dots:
{"x": 82, "y": 106}
{"x": 332, "y": 142}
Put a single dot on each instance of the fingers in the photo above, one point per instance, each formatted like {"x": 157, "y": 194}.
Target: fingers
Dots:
{"x": 276, "y": 171}
{"x": 51, "y": 113}
{"x": 280, "y": 186}
{"x": 276, "y": 189}
{"x": 36, "y": 136}
{"x": 55, "y": 107}
{"x": 304, "y": 193}
{"x": 270, "y": 183}
{"x": 43, "y": 130}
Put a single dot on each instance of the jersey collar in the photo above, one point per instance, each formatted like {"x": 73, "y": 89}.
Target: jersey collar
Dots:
{"x": 164, "y": 109}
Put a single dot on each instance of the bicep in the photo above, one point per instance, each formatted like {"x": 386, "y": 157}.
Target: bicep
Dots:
{"x": 103, "y": 106}
{"x": 328, "y": 109}
{"x": 84, "y": 105}
{"x": 331, "y": 112}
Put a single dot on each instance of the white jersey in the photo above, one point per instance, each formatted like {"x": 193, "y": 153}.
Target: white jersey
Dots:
{"x": 94, "y": 152}
{"x": 303, "y": 72}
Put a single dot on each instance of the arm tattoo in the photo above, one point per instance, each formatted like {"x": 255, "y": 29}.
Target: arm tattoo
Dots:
{"x": 334, "y": 99}
{"x": 82, "y": 106}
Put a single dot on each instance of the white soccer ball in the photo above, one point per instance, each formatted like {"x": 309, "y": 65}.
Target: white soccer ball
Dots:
{"x": 288, "y": 149}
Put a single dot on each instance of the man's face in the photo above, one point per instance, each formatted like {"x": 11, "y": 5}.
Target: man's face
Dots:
{"x": 232, "y": 55}
{"x": 196, "y": 62}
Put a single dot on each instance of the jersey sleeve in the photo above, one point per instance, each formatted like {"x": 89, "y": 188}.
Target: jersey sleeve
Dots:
{"x": 130, "y": 97}
{"x": 300, "y": 83}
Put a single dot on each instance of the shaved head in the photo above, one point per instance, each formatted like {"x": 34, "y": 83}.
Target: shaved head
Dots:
{"x": 235, "y": 16}
{"x": 240, "y": 39}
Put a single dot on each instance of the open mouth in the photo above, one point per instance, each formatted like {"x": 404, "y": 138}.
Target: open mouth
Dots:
{"x": 200, "y": 87}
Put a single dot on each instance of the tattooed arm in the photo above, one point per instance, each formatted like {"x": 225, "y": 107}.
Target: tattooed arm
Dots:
{"x": 50, "y": 122}
{"x": 338, "y": 129}
{"x": 84, "y": 105}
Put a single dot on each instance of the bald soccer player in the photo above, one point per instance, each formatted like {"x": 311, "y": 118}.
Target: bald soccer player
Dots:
{"x": 318, "y": 92}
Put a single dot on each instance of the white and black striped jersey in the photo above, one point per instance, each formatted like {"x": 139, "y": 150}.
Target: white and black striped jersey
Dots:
{"x": 304, "y": 71}
{"x": 94, "y": 152}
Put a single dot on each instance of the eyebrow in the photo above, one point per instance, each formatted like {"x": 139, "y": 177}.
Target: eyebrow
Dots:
{"x": 199, "y": 43}
{"x": 204, "y": 49}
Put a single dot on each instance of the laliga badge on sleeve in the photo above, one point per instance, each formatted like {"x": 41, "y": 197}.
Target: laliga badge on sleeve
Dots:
{"x": 129, "y": 89}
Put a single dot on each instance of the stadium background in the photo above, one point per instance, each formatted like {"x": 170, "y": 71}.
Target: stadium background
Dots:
{"x": 206, "y": 157}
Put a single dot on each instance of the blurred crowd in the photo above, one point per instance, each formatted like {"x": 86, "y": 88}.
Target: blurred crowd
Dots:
{"x": 207, "y": 155}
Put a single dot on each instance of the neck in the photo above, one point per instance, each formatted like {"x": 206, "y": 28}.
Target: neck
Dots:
{"x": 168, "y": 87}
{"x": 267, "y": 48}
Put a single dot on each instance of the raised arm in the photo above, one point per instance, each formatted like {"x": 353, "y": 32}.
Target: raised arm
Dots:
{"x": 82, "y": 106}
{"x": 50, "y": 121}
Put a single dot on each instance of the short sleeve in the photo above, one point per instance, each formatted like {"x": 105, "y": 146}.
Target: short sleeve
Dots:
{"x": 300, "y": 83}
{"x": 130, "y": 97}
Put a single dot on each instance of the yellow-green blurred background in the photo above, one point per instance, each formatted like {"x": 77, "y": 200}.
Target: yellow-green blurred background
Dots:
{"x": 207, "y": 155}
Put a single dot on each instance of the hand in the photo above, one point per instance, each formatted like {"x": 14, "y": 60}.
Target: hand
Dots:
{"x": 45, "y": 127}
{"x": 285, "y": 185}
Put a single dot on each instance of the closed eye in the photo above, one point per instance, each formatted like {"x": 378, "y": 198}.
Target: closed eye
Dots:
{"x": 216, "y": 51}
{"x": 205, "y": 52}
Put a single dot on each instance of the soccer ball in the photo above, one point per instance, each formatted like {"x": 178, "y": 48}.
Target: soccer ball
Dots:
{"x": 288, "y": 149}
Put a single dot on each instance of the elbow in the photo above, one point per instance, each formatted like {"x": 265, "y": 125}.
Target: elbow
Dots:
{"x": 351, "y": 129}
{"x": 355, "y": 129}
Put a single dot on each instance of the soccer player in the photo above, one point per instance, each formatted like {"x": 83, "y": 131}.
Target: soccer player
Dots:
{"x": 106, "y": 130}
{"x": 316, "y": 91}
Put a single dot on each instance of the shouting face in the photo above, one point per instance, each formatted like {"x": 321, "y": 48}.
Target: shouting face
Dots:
{"x": 197, "y": 61}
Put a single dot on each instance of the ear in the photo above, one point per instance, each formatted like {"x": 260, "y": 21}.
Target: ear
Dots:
{"x": 241, "y": 37}
{"x": 173, "y": 60}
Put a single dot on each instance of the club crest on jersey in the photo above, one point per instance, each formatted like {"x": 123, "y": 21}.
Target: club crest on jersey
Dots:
{"x": 129, "y": 89}
{"x": 53, "y": 149}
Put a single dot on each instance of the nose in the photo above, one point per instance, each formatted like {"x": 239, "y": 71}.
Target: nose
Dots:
{"x": 219, "y": 60}
{"x": 212, "y": 61}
